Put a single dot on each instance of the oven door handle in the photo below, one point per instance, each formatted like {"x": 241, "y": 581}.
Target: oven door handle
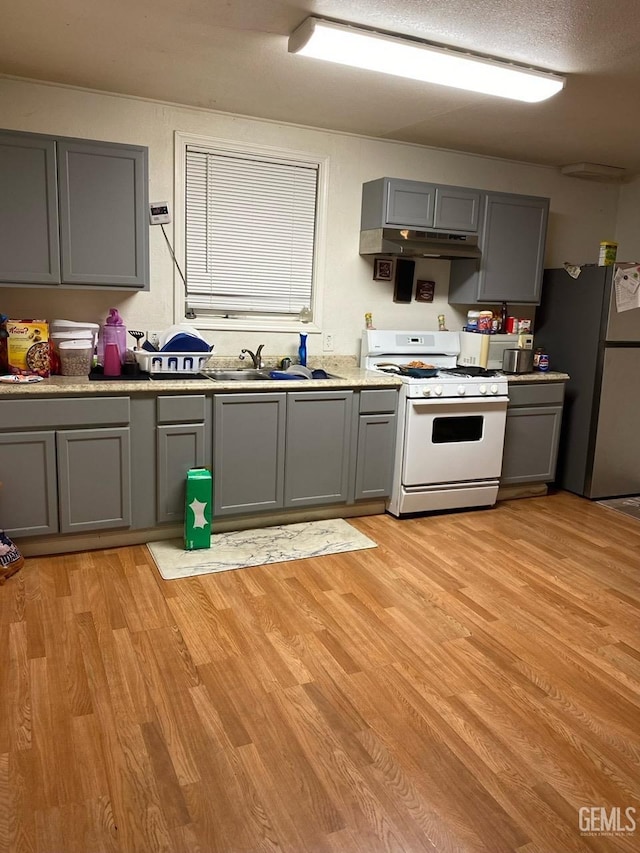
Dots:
{"x": 463, "y": 403}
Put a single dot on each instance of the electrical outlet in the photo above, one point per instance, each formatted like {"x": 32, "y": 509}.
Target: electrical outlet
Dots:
{"x": 327, "y": 342}
{"x": 154, "y": 338}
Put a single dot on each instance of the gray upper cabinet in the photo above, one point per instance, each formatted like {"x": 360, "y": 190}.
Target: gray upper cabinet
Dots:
{"x": 103, "y": 214}
{"x": 418, "y": 205}
{"x": 29, "y": 248}
{"x": 457, "y": 209}
{"x": 74, "y": 213}
{"x": 512, "y": 244}
{"x": 410, "y": 203}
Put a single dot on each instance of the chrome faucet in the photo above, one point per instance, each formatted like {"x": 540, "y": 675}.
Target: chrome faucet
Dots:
{"x": 256, "y": 357}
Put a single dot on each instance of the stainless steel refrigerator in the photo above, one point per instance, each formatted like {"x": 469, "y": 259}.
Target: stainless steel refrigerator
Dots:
{"x": 584, "y": 334}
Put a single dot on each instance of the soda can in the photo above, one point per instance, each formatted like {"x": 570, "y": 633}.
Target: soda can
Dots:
{"x": 543, "y": 362}
{"x": 512, "y": 325}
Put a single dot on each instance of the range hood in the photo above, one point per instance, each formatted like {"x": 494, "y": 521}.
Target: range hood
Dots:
{"x": 418, "y": 244}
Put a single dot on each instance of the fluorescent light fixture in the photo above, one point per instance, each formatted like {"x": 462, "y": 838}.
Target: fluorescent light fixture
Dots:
{"x": 403, "y": 57}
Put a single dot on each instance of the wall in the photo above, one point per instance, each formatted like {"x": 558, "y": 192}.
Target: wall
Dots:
{"x": 627, "y": 233}
{"x": 582, "y": 213}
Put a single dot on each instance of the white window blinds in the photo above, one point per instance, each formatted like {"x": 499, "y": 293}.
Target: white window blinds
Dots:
{"x": 250, "y": 233}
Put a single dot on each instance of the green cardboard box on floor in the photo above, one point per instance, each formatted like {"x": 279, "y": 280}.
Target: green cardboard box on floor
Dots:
{"x": 198, "y": 510}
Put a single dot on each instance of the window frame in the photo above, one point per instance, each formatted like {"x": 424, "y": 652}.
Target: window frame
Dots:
{"x": 256, "y": 322}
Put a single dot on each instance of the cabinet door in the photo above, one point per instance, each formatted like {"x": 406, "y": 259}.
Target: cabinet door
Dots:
{"x": 512, "y": 246}
{"x": 103, "y": 214}
{"x": 317, "y": 453}
{"x": 457, "y": 209}
{"x": 410, "y": 203}
{"x": 180, "y": 447}
{"x": 248, "y": 452}
{"x": 29, "y": 210}
{"x": 531, "y": 444}
{"x": 94, "y": 481}
{"x": 374, "y": 463}
{"x": 28, "y": 498}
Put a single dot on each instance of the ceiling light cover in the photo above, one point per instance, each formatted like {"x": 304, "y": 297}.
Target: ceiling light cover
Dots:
{"x": 390, "y": 54}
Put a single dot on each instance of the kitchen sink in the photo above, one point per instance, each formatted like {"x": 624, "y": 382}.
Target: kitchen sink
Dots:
{"x": 248, "y": 374}
{"x": 241, "y": 374}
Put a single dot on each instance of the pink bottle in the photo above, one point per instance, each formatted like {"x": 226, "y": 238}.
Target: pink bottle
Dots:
{"x": 112, "y": 363}
{"x": 112, "y": 332}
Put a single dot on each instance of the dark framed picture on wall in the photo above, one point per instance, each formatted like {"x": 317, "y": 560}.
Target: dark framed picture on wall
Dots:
{"x": 425, "y": 290}
{"x": 383, "y": 269}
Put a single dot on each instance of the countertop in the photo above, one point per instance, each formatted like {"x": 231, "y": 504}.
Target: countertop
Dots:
{"x": 346, "y": 377}
{"x": 537, "y": 376}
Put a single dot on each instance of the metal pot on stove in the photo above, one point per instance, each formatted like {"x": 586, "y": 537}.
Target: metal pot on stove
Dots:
{"x": 517, "y": 361}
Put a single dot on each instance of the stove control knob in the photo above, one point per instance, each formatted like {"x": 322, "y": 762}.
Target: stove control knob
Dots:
{"x": 482, "y": 389}
{"x": 426, "y": 392}
{"x": 462, "y": 390}
{"x": 438, "y": 390}
{"x": 494, "y": 389}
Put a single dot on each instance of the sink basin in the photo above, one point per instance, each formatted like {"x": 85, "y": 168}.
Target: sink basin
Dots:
{"x": 248, "y": 374}
{"x": 242, "y": 374}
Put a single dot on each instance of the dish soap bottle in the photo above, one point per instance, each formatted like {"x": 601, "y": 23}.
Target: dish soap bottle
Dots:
{"x": 302, "y": 351}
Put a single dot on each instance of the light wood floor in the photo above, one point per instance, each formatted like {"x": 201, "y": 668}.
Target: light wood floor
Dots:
{"x": 466, "y": 686}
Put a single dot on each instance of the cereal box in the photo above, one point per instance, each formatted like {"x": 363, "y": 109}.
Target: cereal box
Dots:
{"x": 28, "y": 347}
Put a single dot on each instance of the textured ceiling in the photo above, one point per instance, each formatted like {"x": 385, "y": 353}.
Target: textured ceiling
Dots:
{"x": 231, "y": 55}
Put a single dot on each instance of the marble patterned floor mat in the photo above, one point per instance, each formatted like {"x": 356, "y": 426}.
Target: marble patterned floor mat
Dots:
{"x": 240, "y": 549}
{"x": 629, "y": 506}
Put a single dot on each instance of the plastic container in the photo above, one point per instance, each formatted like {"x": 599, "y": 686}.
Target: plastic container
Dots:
{"x": 75, "y": 357}
{"x": 57, "y": 338}
{"x": 608, "y": 252}
{"x": 485, "y": 321}
{"x": 112, "y": 332}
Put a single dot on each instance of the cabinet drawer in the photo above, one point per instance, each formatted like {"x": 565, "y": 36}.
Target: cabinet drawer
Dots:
{"x": 383, "y": 400}
{"x": 536, "y": 394}
{"x": 100, "y": 411}
{"x": 181, "y": 409}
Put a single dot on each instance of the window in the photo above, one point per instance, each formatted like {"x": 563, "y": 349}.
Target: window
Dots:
{"x": 250, "y": 235}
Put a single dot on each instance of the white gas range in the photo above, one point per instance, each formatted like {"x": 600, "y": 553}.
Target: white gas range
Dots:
{"x": 451, "y": 424}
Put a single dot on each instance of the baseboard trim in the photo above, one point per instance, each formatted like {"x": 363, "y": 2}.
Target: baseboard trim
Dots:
{"x": 522, "y": 490}
{"x": 40, "y": 546}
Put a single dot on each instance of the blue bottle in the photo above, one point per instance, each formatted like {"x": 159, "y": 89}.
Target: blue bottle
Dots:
{"x": 302, "y": 351}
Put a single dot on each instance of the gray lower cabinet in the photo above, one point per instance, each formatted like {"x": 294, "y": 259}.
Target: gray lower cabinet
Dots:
{"x": 375, "y": 426}
{"x": 317, "y": 447}
{"x": 94, "y": 479}
{"x": 183, "y": 440}
{"x": 280, "y": 450}
{"x": 534, "y": 417}
{"x": 74, "y": 212}
{"x": 512, "y": 244}
{"x": 179, "y": 448}
{"x": 65, "y": 465}
{"x": 374, "y": 462}
{"x": 29, "y": 496}
{"x": 248, "y": 452}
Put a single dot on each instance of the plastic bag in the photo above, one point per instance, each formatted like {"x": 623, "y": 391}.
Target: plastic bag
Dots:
{"x": 11, "y": 560}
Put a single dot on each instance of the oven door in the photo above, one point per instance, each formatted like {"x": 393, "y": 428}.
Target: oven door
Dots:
{"x": 453, "y": 441}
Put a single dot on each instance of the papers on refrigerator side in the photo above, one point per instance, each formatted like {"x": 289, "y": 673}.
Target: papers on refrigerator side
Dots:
{"x": 627, "y": 286}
